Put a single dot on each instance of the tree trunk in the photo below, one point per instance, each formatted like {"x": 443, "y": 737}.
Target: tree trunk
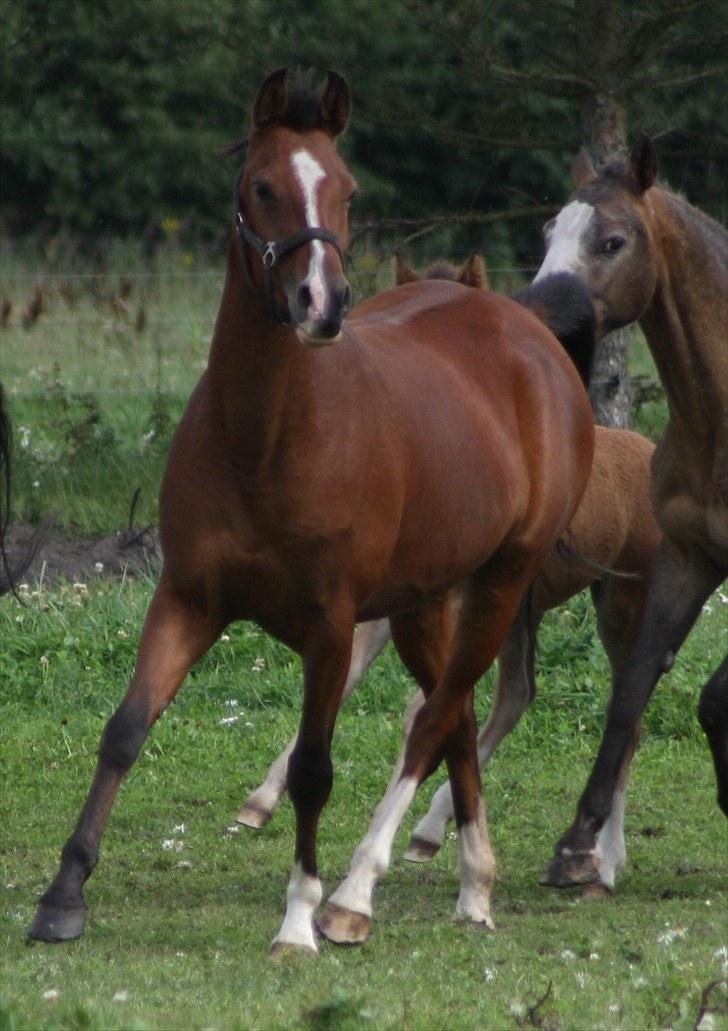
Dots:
{"x": 604, "y": 136}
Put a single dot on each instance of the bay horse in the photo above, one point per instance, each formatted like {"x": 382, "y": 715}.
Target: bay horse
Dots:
{"x": 336, "y": 466}
{"x": 648, "y": 255}
{"x": 613, "y": 529}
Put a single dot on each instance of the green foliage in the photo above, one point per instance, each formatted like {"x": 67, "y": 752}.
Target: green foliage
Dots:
{"x": 115, "y": 114}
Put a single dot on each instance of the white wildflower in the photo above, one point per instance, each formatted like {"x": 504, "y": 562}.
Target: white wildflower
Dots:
{"x": 567, "y": 955}
{"x": 668, "y": 937}
{"x": 51, "y": 994}
{"x": 99, "y": 567}
{"x": 179, "y": 829}
{"x": 227, "y": 720}
{"x": 232, "y": 703}
{"x": 24, "y": 436}
{"x": 120, "y": 996}
{"x": 258, "y": 665}
{"x": 489, "y": 974}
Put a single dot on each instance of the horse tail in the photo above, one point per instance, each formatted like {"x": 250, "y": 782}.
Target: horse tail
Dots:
{"x": 9, "y": 575}
{"x": 570, "y": 556}
{"x": 564, "y": 303}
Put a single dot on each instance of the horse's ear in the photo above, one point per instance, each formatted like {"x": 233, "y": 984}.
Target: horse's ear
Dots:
{"x": 335, "y": 105}
{"x": 402, "y": 272}
{"x": 474, "y": 273}
{"x": 643, "y": 162}
{"x": 272, "y": 100}
{"x": 582, "y": 169}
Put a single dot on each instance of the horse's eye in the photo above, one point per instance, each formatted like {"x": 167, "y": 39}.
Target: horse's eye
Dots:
{"x": 263, "y": 191}
{"x": 613, "y": 244}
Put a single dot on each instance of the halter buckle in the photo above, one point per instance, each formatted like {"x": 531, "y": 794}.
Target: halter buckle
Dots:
{"x": 268, "y": 256}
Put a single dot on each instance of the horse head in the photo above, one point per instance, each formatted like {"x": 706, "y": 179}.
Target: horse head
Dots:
{"x": 292, "y": 202}
{"x": 604, "y": 235}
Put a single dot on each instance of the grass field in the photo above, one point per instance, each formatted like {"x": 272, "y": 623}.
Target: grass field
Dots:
{"x": 184, "y": 904}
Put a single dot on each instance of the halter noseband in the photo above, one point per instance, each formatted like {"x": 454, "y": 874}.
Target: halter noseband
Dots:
{"x": 271, "y": 251}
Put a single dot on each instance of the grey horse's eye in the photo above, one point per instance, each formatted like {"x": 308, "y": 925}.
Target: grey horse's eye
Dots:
{"x": 613, "y": 244}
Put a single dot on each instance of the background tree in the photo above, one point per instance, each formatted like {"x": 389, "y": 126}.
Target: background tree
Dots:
{"x": 114, "y": 116}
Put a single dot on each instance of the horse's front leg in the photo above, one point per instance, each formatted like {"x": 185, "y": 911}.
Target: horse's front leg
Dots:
{"x": 369, "y": 640}
{"x": 677, "y": 591}
{"x": 175, "y": 635}
{"x": 326, "y": 660}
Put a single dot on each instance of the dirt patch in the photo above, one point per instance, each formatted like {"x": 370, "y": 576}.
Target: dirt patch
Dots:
{"x": 54, "y": 557}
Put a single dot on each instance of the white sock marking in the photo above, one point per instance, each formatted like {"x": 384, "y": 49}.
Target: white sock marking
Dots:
{"x": 477, "y": 870}
{"x": 565, "y": 245}
{"x": 610, "y": 850}
{"x": 372, "y": 856}
{"x": 304, "y": 895}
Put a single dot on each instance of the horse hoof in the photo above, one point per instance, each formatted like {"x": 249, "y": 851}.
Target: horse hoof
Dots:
{"x": 253, "y": 816}
{"x": 53, "y": 924}
{"x": 420, "y": 850}
{"x": 570, "y": 869}
{"x": 282, "y": 950}
{"x": 597, "y": 890}
{"x": 476, "y": 925}
{"x": 343, "y": 926}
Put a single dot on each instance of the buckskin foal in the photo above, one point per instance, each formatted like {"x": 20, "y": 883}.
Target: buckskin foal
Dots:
{"x": 332, "y": 469}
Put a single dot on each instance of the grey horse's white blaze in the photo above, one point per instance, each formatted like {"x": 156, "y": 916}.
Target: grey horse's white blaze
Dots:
{"x": 566, "y": 240}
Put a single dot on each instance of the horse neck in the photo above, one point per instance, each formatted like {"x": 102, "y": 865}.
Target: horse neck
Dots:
{"x": 257, "y": 371}
{"x": 685, "y": 324}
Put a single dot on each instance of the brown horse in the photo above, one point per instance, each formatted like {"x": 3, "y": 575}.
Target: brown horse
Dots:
{"x": 647, "y": 254}
{"x": 329, "y": 470}
{"x": 614, "y": 528}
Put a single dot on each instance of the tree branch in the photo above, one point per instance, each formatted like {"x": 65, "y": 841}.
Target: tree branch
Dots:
{"x": 424, "y": 226}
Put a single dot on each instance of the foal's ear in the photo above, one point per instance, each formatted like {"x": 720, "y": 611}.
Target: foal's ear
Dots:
{"x": 474, "y": 273}
{"x": 272, "y": 100}
{"x": 583, "y": 171}
{"x": 402, "y": 272}
{"x": 643, "y": 162}
{"x": 335, "y": 105}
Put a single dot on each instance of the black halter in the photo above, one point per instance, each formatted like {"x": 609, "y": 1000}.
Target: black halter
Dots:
{"x": 272, "y": 251}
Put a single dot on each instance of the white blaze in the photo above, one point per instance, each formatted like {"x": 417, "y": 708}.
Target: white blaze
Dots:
{"x": 565, "y": 246}
{"x": 309, "y": 174}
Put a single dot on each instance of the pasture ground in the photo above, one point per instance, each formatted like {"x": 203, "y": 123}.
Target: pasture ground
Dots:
{"x": 184, "y": 905}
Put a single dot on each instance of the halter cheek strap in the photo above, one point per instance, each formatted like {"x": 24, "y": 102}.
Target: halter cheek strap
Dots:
{"x": 271, "y": 251}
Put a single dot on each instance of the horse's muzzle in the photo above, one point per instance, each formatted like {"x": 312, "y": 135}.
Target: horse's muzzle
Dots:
{"x": 316, "y": 324}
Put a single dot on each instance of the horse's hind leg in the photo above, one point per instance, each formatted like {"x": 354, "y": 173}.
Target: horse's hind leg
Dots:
{"x": 369, "y": 640}
{"x": 174, "y": 637}
{"x": 422, "y": 640}
{"x": 676, "y": 594}
{"x": 514, "y": 691}
{"x": 713, "y": 714}
{"x": 444, "y": 726}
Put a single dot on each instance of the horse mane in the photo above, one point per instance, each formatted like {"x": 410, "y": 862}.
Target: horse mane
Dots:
{"x": 442, "y": 270}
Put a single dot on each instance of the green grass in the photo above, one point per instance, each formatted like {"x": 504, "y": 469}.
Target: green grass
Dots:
{"x": 178, "y": 937}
